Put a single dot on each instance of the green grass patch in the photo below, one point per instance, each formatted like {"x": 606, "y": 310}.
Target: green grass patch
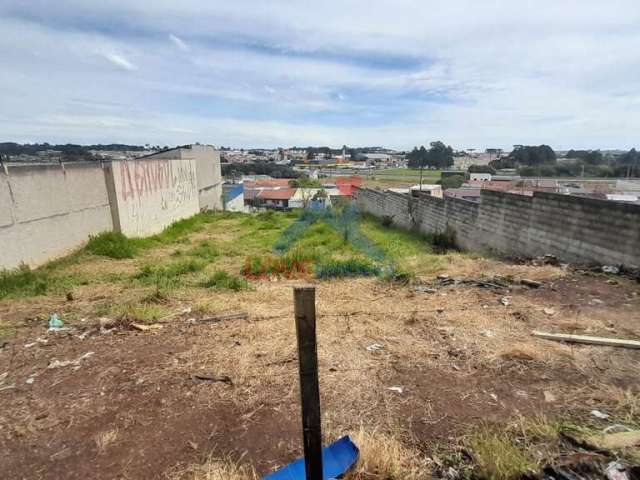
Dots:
{"x": 225, "y": 281}
{"x": 25, "y": 282}
{"x": 151, "y": 273}
{"x": 352, "y": 267}
{"x": 139, "y": 312}
{"x": 498, "y": 457}
{"x": 112, "y": 245}
{"x": 205, "y": 250}
{"x": 410, "y": 251}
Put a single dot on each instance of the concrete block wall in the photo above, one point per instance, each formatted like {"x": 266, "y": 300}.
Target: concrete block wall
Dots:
{"x": 49, "y": 210}
{"x": 149, "y": 194}
{"x": 577, "y": 230}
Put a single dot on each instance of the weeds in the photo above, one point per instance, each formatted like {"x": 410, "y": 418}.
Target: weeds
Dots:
{"x": 112, "y": 245}
{"x": 293, "y": 264}
{"x": 497, "y": 457}
{"x": 25, "y": 282}
{"x": 138, "y": 312}
{"x": 443, "y": 241}
{"x": 352, "y": 267}
{"x": 150, "y": 273}
{"x": 204, "y": 250}
{"x": 223, "y": 280}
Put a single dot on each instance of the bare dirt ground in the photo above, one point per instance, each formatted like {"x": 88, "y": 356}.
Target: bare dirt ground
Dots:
{"x": 134, "y": 408}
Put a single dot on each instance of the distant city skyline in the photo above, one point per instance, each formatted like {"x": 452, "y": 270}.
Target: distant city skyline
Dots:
{"x": 269, "y": 74}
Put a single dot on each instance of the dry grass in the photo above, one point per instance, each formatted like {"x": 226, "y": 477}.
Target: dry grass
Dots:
{"x": 105, "y": 439}
{"x": 215, "y": 469}
{"x": 384, "y": 457}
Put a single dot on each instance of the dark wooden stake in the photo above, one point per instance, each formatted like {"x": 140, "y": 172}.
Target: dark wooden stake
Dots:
{"x": 305, "y": 313}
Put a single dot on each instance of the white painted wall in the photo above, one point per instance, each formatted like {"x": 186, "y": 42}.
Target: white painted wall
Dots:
{"x": 47, "y": 211}
{"x": 152, "y": 193}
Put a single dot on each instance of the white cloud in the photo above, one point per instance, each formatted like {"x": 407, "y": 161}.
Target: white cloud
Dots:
{"x": 120, "y": 61}
{"x": 178, "y": 42}
{"x": 475, "y": 75}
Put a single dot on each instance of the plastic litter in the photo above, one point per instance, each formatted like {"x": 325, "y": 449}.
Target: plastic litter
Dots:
{"x": 599, "y": 414}
{"x": 611, "y": 269}
{"x": 55, "y": 323}
{"x": 337, "y": 459}
{"x": 374, "y": 346}
{"x": 396, "y": 389}
{"x": 616, "y": 471}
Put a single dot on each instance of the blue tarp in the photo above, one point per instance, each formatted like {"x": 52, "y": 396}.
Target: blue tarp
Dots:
{"x": 337, "y": 459}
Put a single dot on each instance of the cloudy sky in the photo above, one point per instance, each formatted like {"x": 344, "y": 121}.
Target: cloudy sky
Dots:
{"x": 361, "y": 72}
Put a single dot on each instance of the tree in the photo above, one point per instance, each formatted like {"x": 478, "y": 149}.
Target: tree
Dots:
{"x": 454, "y": 181}
{"x": 439, "y": 155}
{"x": 532, "y": 155}
{"x": 417, "y": 157}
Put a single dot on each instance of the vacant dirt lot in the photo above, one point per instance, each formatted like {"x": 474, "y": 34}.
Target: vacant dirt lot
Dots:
{"x": 146, "y": 404}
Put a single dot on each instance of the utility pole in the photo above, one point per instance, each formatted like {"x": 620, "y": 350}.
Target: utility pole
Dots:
{"x": 305, "y": 315}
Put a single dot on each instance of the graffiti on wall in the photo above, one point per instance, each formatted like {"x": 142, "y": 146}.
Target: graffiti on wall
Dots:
{"x": 175, "y": 181}
{"x": 154, "y": 193}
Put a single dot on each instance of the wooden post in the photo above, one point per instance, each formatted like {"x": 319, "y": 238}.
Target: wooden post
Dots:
{"x": 305, "y": 313}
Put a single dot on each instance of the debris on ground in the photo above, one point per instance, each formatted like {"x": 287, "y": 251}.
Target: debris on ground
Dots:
{"x": 530, "y": 283}
{"x": 619, "y": 471}
{"x": 213, "y": 378}
{"x": 55, "y": 322}
{"x": 375, "y": 347}
{"x": 607, "y": 342}
{"x": 145, "y": 328}
{"x": 495, "y": 282}
{"x": 549, "y": 311}
{"x": 224, "y": 316}
{"x": 58, "y": 364}
{"x": 396, "y": 389}
{"x": 420, "y": 288}
{"x": 40, "y": 340}
{"x": 505, "y": 301}
{"x": 337, "y": 460}
{"x": 547, "y": 259}
{"x": 599, "y": 414}
{"x": 612, "y": 269}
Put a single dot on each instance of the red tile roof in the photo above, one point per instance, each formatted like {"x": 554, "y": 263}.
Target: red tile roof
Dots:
{"x": 280, "y": 194}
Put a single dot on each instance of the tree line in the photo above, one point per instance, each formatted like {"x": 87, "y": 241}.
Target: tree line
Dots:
{"x": 438, "y": 155}
{"x": 541, "y": 160}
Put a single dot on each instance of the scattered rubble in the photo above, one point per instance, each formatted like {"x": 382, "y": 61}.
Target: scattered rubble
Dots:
{"x": 145, "y": 328}
{"x": 213, "y": 378}
{"x": 599, "y": 414}
{"x": 375, "y": 347}
{"x": 531, "y": 283}
{"x": 59, "y": 364}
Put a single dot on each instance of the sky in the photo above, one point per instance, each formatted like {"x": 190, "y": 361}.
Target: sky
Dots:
{"x": 267, "y": 73}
